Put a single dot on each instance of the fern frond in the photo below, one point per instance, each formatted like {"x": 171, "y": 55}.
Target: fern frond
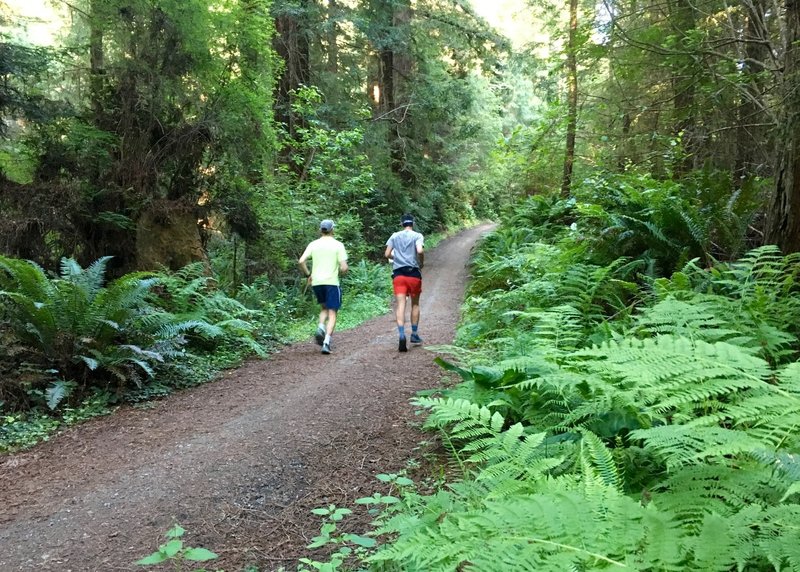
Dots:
{"x": 714, "y": 547}
{"x": 670, "y": 371}
{"x": 691, "y": 492}
{"x": 89, "y": 281}
{"x": 598, "y": 463}
{"x": 58, "y": 391}
{"x": 694, "y": 320}
{"x": 681, "y": 445}
{"x": 175, "y": 329}
{"x": 779, "y": 537}
{"x": 556, "y": 531}
{"x": 459, "y": 411}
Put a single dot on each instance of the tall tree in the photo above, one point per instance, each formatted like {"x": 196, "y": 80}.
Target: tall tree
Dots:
{"x": 683, "y": 81}
{"x": 783, "y": 227}
{"x": 752, "y": 115}
{"x": 159, "y": 126}
{"x": 292, "y": 44}
{"x": 572, "y": 97}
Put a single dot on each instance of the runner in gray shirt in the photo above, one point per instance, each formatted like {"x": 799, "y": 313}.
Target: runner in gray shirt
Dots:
{"x": 405, "y": 249}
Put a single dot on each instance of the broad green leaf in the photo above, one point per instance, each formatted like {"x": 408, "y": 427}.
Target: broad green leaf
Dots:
{"x": 172, "y": 547}
{"x": 364, "y": 541}
{"x": 199, "y": 554}
{"x": 318, "y": 541}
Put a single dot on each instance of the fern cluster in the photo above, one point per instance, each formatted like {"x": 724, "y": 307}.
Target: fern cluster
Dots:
{"x": 75, "y": 326}
{"x": 190, "y": 305}
{"x": 76, "y": 332}
{"x": 608, "y": 418}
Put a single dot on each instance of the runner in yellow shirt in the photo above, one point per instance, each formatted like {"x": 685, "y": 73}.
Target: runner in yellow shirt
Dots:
{"x": 329, "y": 260}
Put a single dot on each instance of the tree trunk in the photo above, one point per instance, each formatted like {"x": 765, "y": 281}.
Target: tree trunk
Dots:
{"x": 749, "y": 134}
{"x": 395, "y": 65}
{"x": 291, "y": 44}
{"x": 167, "y": 236}
{"x": 783, "y": 218}
{"x": 572, "y": 98}
{"x": 96, "y": 60}
{"x": 622, "y": 149}
{"x": 333, "y": 37}
{"x": 683, "y": 88}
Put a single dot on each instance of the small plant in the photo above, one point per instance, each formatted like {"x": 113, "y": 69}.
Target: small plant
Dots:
{"x": 175, "y": 552}
{"x": 334, "y": 514}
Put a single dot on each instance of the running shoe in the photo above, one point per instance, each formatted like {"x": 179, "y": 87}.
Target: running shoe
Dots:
{"x": 319, "y": 336}
{"x": 402, "y": 347}
{"x": 415, "y": 339}
{"x": 326, "y": 348}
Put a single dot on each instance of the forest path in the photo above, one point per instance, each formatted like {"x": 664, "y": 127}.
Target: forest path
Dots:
{"x": 240, "y": 462}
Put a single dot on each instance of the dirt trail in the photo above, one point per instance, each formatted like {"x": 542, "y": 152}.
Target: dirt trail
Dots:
{"x": 239, "y": 462}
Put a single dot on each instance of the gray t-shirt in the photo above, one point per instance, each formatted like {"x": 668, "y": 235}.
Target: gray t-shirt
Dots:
{"x": 404, "y": 243}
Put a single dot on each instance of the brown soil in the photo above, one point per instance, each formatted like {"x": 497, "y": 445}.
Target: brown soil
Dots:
{"x": 240, "y": 462}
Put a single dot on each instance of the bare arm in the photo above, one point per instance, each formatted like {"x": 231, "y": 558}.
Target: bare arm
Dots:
{"x": 343, "y": 267}
{"x": 302, "y": 264}
{"x": 388, "y": 252}
{"x": 420, "y": 255}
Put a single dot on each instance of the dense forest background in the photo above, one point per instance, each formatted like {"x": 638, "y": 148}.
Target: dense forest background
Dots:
{"x": 162, "y": 133}
{"x": 628, "y": 349}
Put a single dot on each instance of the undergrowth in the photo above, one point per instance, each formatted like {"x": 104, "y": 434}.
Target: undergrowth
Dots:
{"x": 633, "y": 412}
{"x": 77, "y": 347}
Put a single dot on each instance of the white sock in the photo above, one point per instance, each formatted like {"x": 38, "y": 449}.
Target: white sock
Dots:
{"x": 327, "y": 339}
{"x": 321, "y": 326}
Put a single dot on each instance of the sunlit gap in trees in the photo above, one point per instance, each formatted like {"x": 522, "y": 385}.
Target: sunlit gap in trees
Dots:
{"x": 522, "y": 24}
{"x": 602, "y": 23}
{"x": 33, "y": 22}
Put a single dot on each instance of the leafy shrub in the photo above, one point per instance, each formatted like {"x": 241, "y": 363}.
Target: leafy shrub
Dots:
{"x": 192, "y": 306}
{"x": 606, "y": 419}
{"x": 663, "y": 223}
{"x": 175, "y": 552}
{"x": 77, "y": 328}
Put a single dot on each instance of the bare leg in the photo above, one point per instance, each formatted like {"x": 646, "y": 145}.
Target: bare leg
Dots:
{"x": 415, "y": 310}
{"x": 331, "y": 321}
{"x": 323, "y": 314}
{"x": 400, "y": 311}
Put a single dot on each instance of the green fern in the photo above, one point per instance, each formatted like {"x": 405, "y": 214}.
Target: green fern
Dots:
{"x": 78, "y": 326}
{"x": 200, "y": 312}
{"x": 557, "y": 530}
{"x": 597, "y": 463}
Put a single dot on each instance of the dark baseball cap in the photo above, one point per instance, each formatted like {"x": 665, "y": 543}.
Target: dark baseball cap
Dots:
{"x": 326, "y": 225}
{"x": 407, "y": 220}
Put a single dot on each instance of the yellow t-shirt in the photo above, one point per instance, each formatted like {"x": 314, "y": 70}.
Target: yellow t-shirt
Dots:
{"x": 325, "y": 253}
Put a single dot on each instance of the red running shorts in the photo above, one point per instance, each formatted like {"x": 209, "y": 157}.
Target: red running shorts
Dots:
{"x": 407, "y": 286}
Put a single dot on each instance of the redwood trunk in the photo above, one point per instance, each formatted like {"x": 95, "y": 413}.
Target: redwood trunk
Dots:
{"x": 572, "y": 99}
{"x": 783, "y": 221}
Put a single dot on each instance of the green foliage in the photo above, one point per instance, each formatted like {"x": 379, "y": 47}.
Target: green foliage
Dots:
{"x": 174, "y": 552}
{"x": 123, "y": 142}
{"x": 348, "y": 544}
{"x": 517, "y": 513}
{"x": 75, "y": 324}
{"x": 608, "y": 417}
{"x": 23, "y": 430}
{"x": 193, "y": 307}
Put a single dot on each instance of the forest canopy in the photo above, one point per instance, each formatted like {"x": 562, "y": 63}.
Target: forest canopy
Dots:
{"x": 164, "y": 132}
